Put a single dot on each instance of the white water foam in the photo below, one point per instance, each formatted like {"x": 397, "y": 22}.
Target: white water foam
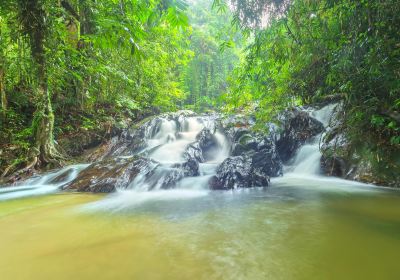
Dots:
{"x": 128, "y": 199}
{"x": 43, "y": 184}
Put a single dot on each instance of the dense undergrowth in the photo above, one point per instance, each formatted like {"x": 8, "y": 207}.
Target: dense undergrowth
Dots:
{"x": 315, "y": 52}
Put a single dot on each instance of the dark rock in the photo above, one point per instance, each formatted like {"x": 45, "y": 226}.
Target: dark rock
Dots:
{"x": 190, "y": 168}
{"x": 298, "y": 128}
{"x": 238, "y": 172}
{"x": 244, "y": 143}
{"x": 61, "y": 177}
{"x": 334, "y": 166}
{"x": 194, "y": 152}
{"x": 267, "y": 161}
{"x": 207, "y": 143}
{"x": 204, "y": 148}
{"x": 167, "y": 177}
{"x": 261, "y": 149}
{"x": 110, "y": 174}
{"x": 178, "y": 172}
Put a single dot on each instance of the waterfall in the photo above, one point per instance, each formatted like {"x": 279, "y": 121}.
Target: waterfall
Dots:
{"x": 307, "y": 159}
{"x": 168, "y": 146}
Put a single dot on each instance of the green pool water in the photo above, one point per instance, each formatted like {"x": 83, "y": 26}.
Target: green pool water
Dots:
{"x": 283, "y": 232}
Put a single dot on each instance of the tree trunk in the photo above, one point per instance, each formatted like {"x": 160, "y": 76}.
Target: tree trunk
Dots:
{"x": 43, "y": 120}
{"x": 4, "y": 104}
{"x": 43, "y": 125}
{"x": 3, "y": 96}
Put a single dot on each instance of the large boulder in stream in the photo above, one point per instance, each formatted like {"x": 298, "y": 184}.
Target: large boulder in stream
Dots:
{"x": 108, "y": 175}
{"x": 298, "y": 128}
{"x": 253, "y": 167}
{"x": 238, "y": 172}
{"x": 254, "y": 156}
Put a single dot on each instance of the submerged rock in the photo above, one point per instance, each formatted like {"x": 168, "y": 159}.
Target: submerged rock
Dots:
{"x": 298, "y": 128}
{"x": 110, "y": 174}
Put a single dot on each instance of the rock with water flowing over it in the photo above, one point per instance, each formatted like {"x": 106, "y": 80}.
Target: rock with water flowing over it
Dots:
{"x": 298, "y": 128}
{"x": 133, "y": 140}
{"x": 204, "y": 148}
{"x": 208, "y": 143}
{"x": 244, "y": 141}
{"x": 238, "y": 172}
{"x": 169, "y": 177}
{"x": 110, "y": 174}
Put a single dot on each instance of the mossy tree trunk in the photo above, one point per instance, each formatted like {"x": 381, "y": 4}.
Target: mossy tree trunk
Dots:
{"x": 4, "y": 103}
{"x": 3, "y": 96}
{"x": 33, "y": 17}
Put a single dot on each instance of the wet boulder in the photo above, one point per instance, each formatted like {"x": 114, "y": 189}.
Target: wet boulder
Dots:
{"x": 298, "y": 128}
{"x": 189, "y": 168}
{"x": 166, "y": 176}
{"x": 179, "y": 171}
{"x": 208, "y": 143}
{"x": 110, "y": 174}
{"x": 194, "y": 152}
{"x": 244, "y": 143}
{"x": 266, "y": 159}
{"x": 204, "y": 148}
{"x": 238, "y": 172}
{"x": 62, "y": 177}
{"x": 262, "y": 150}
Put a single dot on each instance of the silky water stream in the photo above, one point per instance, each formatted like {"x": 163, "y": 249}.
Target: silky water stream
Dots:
{"x": 304, "y": 226}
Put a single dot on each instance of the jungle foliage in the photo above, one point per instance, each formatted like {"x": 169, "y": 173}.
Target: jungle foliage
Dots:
{"x": 319, "y": 51}
{"x": 69, "y": 65}
{"x": 65, "y": 62}
{"x": 216, "y": 45}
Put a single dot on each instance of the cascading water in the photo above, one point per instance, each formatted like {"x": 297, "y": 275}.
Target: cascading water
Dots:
{"x": 305, "y": 170}
{"x": 44, "y": 184}
{"x": 307, "y": 160}
{"x": 167, "y": 147}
